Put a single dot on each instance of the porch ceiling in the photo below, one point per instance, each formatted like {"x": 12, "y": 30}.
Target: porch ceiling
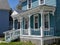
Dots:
{"x": 38, "y": 9}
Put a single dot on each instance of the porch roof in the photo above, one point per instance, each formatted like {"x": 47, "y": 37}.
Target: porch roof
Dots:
{"x": 38, "y": 9}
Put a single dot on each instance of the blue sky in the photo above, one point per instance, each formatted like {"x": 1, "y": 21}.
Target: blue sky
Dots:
{"x": 13, "y": 3}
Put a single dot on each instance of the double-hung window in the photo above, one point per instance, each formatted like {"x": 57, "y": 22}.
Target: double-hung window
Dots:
{"x": 46, "y": 22}
{"x": 18, "y": 25}
{"x": 26, "y": 23}
{"x": 36, "y": 22}
{"x": 29, "y": 4}
{"x": 41, "y": 1}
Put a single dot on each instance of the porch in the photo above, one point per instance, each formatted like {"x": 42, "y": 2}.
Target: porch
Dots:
{"x": 28, "y": 27}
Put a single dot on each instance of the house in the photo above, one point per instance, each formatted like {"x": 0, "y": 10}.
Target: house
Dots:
{"x": 4, "y": 16}
{"x": 38, "y": 21}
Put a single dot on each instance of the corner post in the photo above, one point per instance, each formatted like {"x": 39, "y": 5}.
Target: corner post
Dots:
{"x": 42, "y": 24}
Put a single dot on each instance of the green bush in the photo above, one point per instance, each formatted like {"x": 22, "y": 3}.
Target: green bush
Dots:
{"x": 18, "y": 43}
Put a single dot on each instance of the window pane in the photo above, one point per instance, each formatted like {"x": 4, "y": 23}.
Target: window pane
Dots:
{"x": 36, "y": 22}
{"x": 46, "y": 21}
{"x": 26, "y": 24}
{"x": 42, "y": 1}
{"x": 29, "y": 3}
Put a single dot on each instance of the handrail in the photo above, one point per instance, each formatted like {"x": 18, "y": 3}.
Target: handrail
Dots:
{"x": 11, "y": 31}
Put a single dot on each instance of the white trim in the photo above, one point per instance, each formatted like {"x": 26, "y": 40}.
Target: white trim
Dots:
{"x": 44, "y": 1}
{"x": 39, "y": 37}
{"x": 34, "y": 21}
{"x": 49, "y": 21}
{"x": 29, "y": 30}
{"x": 42, "y": 24}
{"x": 28, "y": 4}
{"x": 39, "y": 2}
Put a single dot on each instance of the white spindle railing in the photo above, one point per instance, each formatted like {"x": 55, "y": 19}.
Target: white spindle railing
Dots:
{"x": 25, "y": 32}
{"x": 49, "y": 32}
{"x": 11, "y": 35}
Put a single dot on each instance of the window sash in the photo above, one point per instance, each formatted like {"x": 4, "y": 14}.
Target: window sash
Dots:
{"x": 25, "y": 23}
{"x": 36, "y": 22}
{"x": 41, "y": 1}
{"x": 46, "y": 21}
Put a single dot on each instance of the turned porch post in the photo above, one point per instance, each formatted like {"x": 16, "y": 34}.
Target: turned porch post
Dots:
{"x": 20, "y": 25}
{"x": 29, "y": 28}
{"x": 13, "y": 24}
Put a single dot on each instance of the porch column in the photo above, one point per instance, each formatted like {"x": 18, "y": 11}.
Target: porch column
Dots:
{"x": 42, "y": 24}
{"x": 29, "y": 29}
{"x": 42, "y": 41}
{"x": 5, "y": 36}
{"x": 13, "y": 23}
{"x": 20, "y": 25}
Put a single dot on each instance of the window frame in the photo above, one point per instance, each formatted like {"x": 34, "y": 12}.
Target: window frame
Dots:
{"x": 25, "y": 23}
{"x": 34, "y": 22}
{"x": 40, "y": 2}
{"x": 47, "y": 29}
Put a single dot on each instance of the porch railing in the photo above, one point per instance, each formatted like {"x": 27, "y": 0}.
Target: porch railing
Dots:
{"x": 38, "y": 32}
{"x": 14, "y": 34}
{"x": 49, "y": 32}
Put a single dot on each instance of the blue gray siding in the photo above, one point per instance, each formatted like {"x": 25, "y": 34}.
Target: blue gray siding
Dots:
{"x": 52, "y": 25}
{"x": 4, "y": 20}
{"x": 50, "y": 2}
{"x": 57, "y": 18}
{"x": 35, "y": 3}
{"x": 24, "y": 5}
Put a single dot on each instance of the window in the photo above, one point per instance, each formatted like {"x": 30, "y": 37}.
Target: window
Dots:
{"x": 41, "y": 1}
{"x": 26, "y": 23}
{"x": 18, "y": 25}
{"x": 46, "y": 21}
{"x": 29, "y": 2}
{"x": 36, "y": 21}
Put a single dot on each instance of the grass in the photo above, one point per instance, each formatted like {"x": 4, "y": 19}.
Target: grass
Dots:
{"x": 18, "y": 43}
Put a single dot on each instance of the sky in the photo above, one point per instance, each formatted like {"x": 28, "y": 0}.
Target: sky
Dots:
{"x": 13, "y": 3}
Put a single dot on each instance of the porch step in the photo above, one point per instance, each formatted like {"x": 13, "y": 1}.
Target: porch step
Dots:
{"x": 12, "y": 38}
